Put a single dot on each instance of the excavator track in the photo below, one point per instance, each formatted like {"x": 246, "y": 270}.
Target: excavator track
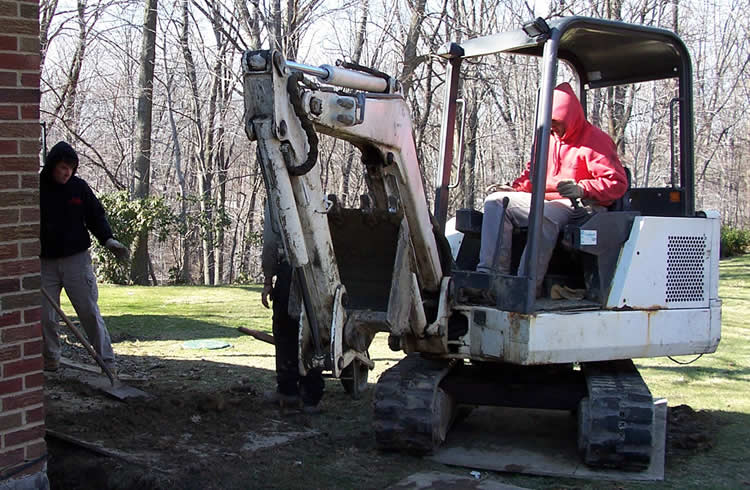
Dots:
{"x": 412, "y": 413}
{"x": 616, "y": 419}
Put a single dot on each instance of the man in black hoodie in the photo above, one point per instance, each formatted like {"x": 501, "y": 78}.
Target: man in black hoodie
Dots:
{"x": 69, "y": 210}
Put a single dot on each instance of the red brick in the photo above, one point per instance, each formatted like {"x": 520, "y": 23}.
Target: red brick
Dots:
{"x": 31, "y": 283}
{"x": 19, "y": 164}
{"x": 9, "y": 9}
{"x": 24, "y": 231}
{"x": 29, "y": 45}
{"x": 30, "y": 249}
{"x": 23, "y": 366}
{"x": 35, "y": 450}
{"x": 30, "y": 181}
{"x": 29, "y": 11}
{"x": 20, "y": 95}
{"x": 30, "y": 215}
{"x": 8, "y": 78}
{"x": 8, "y": 216}
{"x": 8, "y": 251}
{"x": 19, "y": 198}
{"x": 28, "y": 399}
{"x": 31, "y": 111}
{"x": 33, "y": 381}
{"x": 19, "y": 267}
{"x": 9, "y": 113}
{"x": 33, "y": 348}
{"x": 21, "y": 129}
{"x": 8, "y": 147}
{"x": 10, "y": 319}
{"x": 8, "y": 386}
{"x": 11, "y": 458}
{"x": 11, "y": 421}
{"x": 8, "y": 181}
{"x": 24, "y": 435}
{"x": 10, "y": 353}
{"x": 8, "y": 43}
{"x": 30, "y": 79}
{"x": 10, "y": 285}
{"x": 27, "y": 332}
{"x": 17, "y": 26}
{"x": 19, "y": 232}
{"x": 35, "y": 414}
{"x": 30, "y": 147}
{"x": 12, "y": 61}
{"x": 20, "y": 300}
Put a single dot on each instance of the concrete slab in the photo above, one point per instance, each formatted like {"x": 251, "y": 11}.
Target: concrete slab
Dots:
{"x": 536, "y": 442}
{"x": 435, "y": 480}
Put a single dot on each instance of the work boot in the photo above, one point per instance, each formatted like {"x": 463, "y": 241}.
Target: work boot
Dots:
{"x": 112, "y": 368}
{"x": 280, "y": 400}
{"x": 51, "y": 364}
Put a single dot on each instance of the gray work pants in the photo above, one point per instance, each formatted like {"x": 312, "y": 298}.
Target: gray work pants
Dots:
{"x": 76, "y": 275}
{"x": 497, "y": 259}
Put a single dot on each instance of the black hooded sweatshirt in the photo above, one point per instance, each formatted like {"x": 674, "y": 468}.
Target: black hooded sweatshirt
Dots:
{"x": 68, "y": 211}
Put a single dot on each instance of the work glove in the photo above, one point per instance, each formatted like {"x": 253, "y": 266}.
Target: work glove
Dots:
{"x": 266, "y": 294}
{"x": 581, "y": 214}
{"x": 568, "y": 188}
{"x": 118, "y": 249}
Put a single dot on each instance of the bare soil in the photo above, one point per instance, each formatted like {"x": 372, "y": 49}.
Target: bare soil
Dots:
{"x": 206, "y": 426}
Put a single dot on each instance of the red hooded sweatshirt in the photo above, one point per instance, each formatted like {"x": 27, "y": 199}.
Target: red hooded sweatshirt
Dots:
{"x": 585, "y": 154}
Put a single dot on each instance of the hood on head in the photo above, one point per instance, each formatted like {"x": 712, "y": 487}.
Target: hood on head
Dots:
{"x": 567, "y": 108}
{"x": 61, "y": 152}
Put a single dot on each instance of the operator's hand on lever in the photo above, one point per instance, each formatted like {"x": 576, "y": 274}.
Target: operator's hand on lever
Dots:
{"x": 119, "y": 250}
{"x": 267, "y": 292}
{"x": 499, "y": 188}
{"x": 568, "y": 188}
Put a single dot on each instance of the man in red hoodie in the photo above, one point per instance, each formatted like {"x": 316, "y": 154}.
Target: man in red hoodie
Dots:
{"x": 582, "y": 164}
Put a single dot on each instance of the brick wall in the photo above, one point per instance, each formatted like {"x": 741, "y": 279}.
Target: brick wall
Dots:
{"x": 22, "y": 447}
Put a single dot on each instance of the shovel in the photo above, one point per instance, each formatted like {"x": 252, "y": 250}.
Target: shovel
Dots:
{"x": 117, "y": 389}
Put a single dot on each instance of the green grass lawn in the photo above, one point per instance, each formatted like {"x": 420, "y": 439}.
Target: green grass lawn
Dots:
{"x": 717, "y": 383}
{"x": 180, "y": 312}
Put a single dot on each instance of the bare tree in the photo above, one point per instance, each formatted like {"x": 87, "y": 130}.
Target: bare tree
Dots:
{"x": 139, "y": 272}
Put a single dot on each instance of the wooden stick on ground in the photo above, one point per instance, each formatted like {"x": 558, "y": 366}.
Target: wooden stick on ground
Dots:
{"x": 257, "y": 334}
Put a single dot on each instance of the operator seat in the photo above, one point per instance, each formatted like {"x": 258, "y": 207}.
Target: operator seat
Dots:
{"x": 597, "y": 238}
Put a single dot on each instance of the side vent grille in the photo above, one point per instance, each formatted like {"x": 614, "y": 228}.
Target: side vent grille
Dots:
{"x": 686, "y": 263}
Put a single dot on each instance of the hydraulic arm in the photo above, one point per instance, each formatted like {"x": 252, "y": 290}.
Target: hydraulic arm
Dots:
{"x": 284, "y": 111}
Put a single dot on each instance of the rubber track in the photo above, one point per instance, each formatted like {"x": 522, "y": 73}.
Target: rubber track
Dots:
{"x": 407, "y": 405}
{"x": 621, "y": 417}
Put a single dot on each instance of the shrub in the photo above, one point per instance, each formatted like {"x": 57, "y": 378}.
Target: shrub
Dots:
{"x": 127, "y": 218}
{"x": 734, "y": 241}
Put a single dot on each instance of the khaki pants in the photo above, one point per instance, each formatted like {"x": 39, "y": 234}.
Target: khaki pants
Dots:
{"x": 497, "y": 259}
{"x": 76, "y": 275}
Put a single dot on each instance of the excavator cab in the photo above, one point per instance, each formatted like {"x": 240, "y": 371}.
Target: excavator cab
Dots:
{"x": 597, "y": 54}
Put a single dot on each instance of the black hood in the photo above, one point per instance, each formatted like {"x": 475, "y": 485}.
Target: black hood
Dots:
{"x": 62, "y": 151}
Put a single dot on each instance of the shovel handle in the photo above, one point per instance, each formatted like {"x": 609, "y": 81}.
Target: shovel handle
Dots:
{"x": 80, "y": 336}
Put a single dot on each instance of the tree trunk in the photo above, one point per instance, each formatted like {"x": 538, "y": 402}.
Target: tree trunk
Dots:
{"x": 468, "y": 181}
{"x": 184, "y": 245}
{"x": 139, "y": 272}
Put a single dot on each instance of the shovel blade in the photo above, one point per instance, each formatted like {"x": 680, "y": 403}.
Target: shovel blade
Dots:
{"x": 118, "y": 390}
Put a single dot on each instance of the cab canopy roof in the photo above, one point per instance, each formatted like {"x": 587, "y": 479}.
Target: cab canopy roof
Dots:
{"x": 604, "y": 52}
